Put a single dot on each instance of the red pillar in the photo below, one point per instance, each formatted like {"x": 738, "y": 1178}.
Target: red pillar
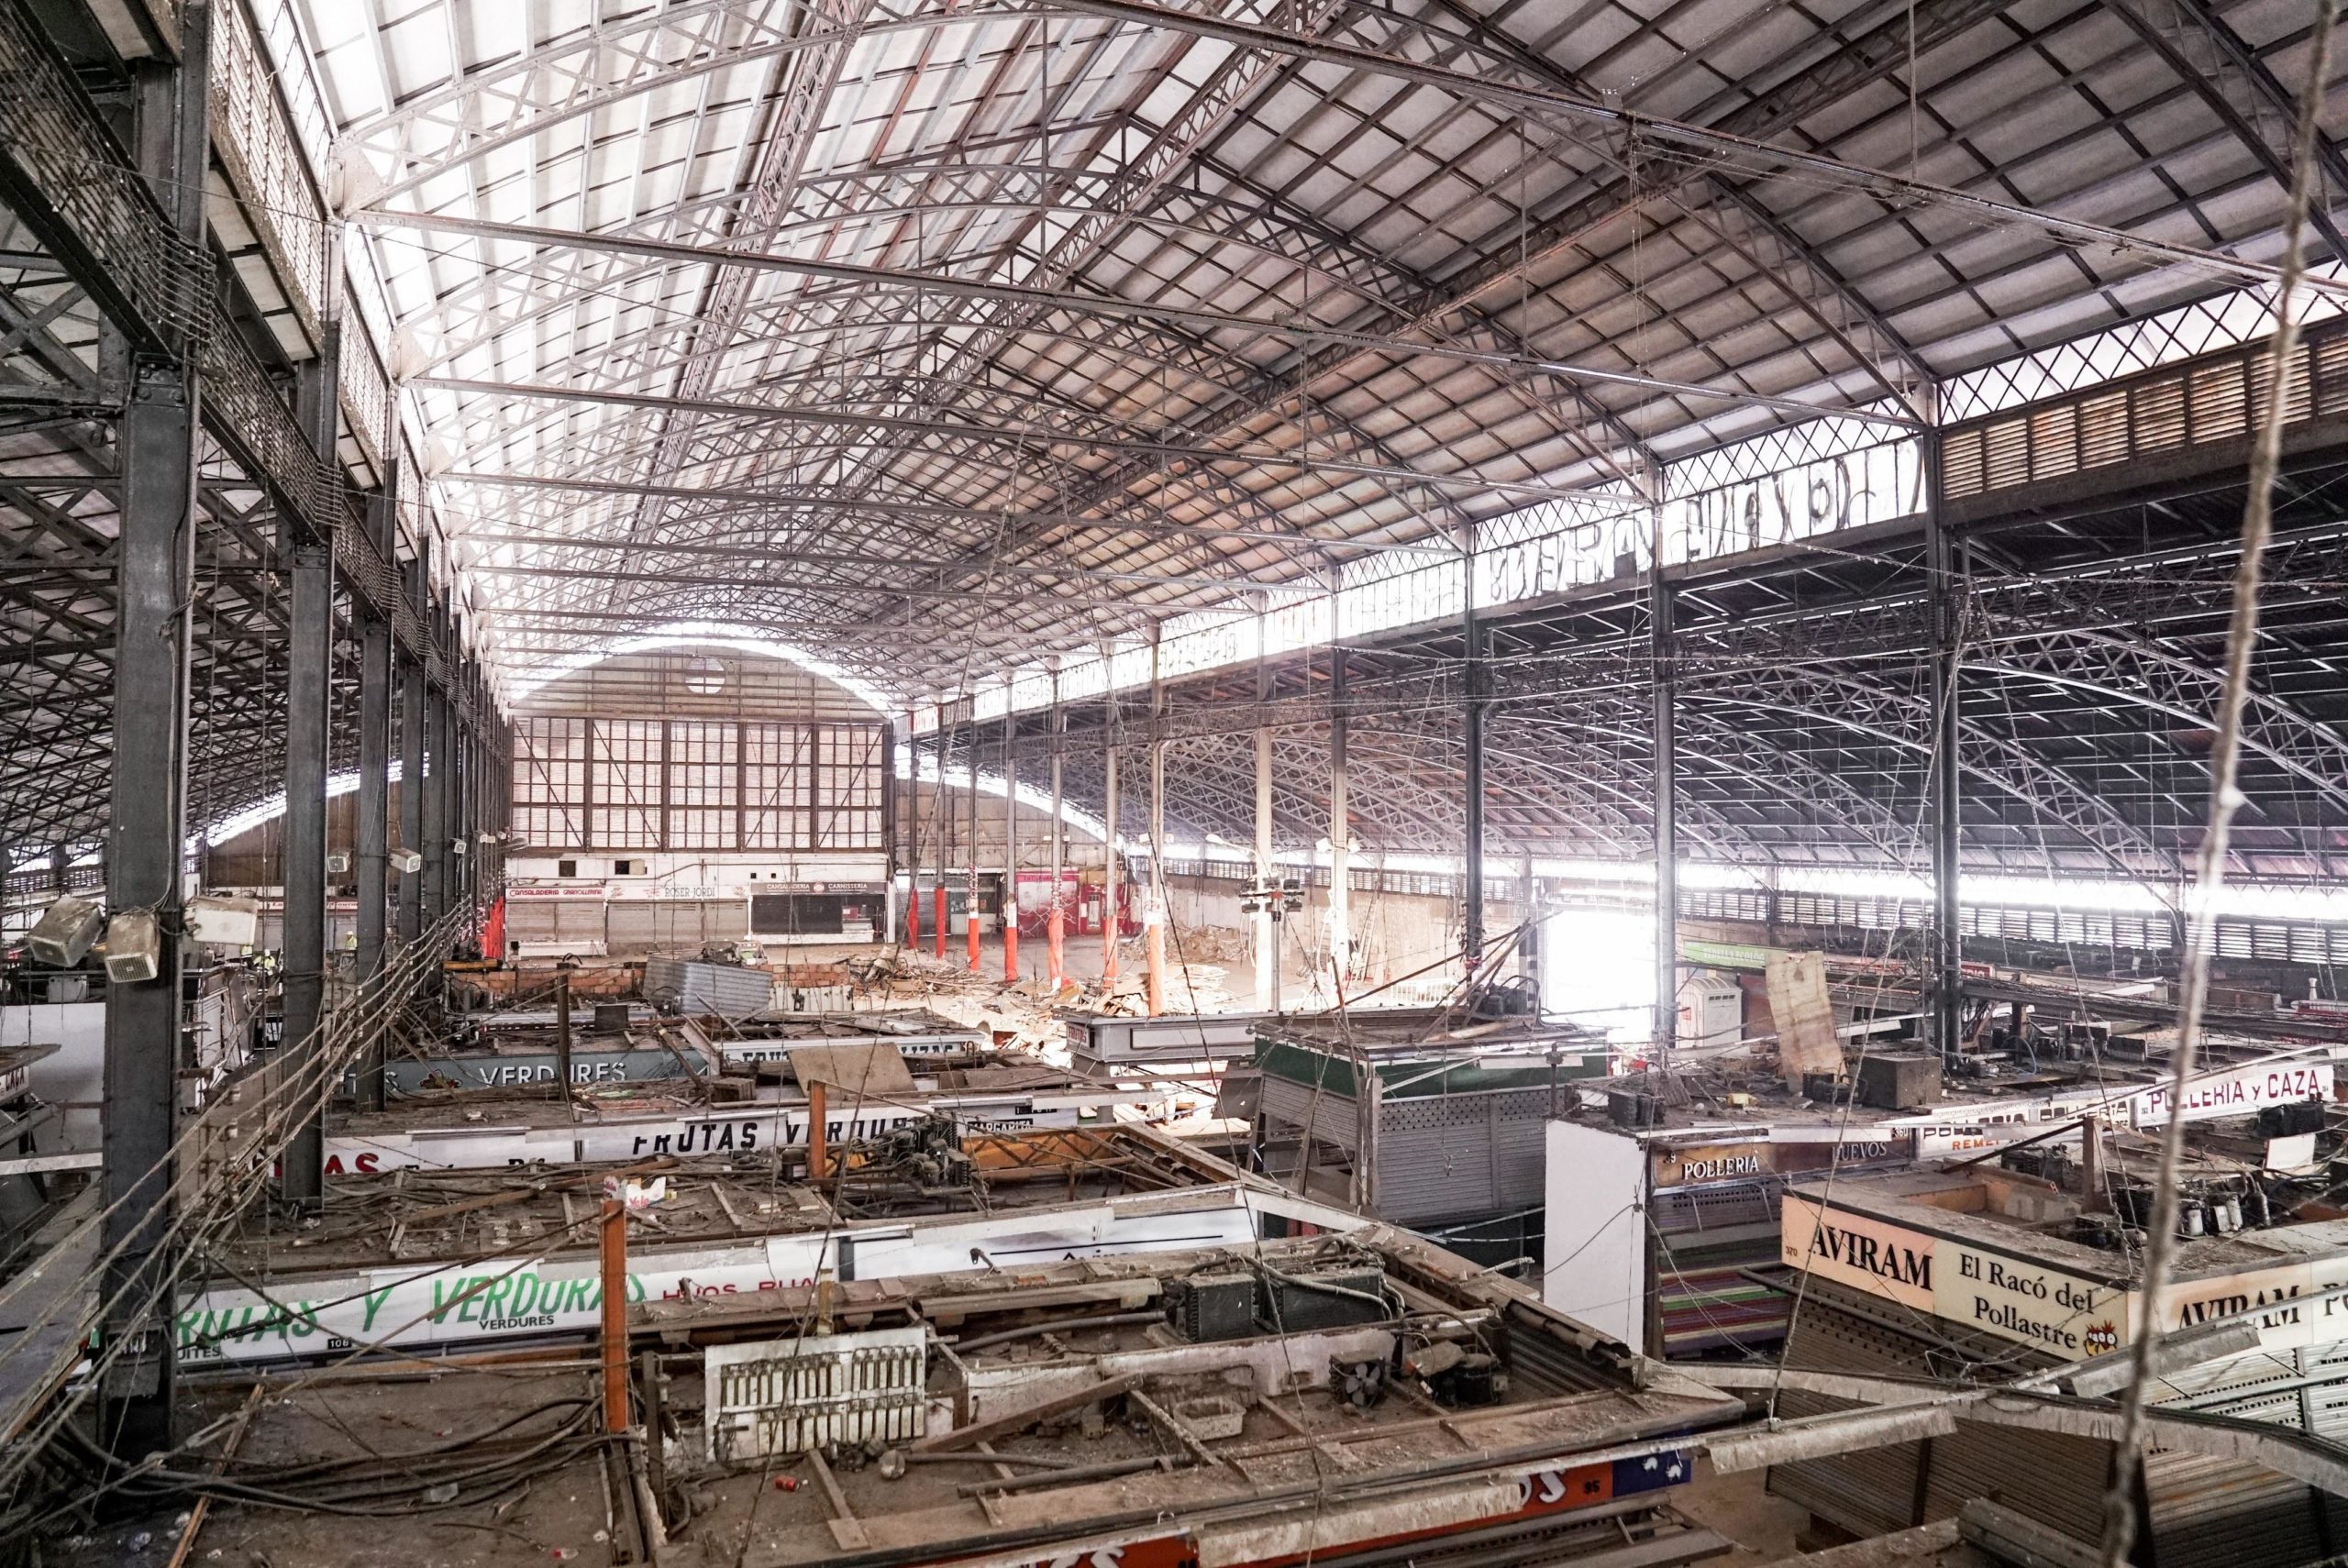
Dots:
{"x": 1052, "y": 931}
{"x": 940, "y": 911}
{"x": 913, "y": 914}
{"x": 1011, "y": 928}
{"x": 1152, "y": 934}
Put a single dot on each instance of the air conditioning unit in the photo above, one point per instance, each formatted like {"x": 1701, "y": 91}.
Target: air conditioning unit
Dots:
{"x": 224, "y": 922}
{"x": 406, "y": 862}
{"x": 134, "y": 947}
{"x": 62, "y": 935}
{"x": 338, "y": 864}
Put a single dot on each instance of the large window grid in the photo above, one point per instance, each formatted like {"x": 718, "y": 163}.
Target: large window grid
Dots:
{"x": 704, "y": 785}
{"x": 692, "y": 784}
{"x": 779, "y": 781}
{"x": 847, "y": 784}
{"x": 550, "y": 780}
{"x": 627, "y": 780}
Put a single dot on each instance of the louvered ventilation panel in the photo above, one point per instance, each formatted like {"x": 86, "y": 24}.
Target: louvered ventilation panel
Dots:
{"x": 785, "y": 1396}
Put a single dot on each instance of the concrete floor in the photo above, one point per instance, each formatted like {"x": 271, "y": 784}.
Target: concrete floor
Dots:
{"x": 1763, "y": 1526}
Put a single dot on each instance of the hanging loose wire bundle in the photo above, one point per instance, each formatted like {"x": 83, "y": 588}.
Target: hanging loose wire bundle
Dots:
{"x": 2120, "y": 1519}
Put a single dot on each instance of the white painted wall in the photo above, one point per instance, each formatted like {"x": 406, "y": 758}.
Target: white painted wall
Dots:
{"x": 1595, "y": 1269}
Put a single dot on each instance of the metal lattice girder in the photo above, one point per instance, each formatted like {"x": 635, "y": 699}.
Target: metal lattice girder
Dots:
{"x": 2227, "y": 75}
{"x": 64, "y": 178}
{"x": 470, "y": 318}
{"x": 977, "y": 330}
{"x": 2129, "y": 671}
{"x": 63, "y": 174}
{"x": 589, "y": 73}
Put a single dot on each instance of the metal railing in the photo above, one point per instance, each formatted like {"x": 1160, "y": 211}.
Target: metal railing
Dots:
{"x": 67, "y": 179}
{"x": 254, "y": 136}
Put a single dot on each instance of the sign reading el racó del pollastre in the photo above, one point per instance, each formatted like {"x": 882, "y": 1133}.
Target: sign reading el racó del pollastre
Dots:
{"x": 2070, "y": 1314}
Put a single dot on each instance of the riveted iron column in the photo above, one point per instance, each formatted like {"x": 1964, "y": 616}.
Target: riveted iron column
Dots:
{"x": 1664, "y": 672}
{"x": 412, "y": 681}
{"x": 1010, "y": 842}
{"x": 1471, "y": 945}
{"x": 148, "y": 801}
{"x": 1340, "y": 821}
{"x": 309, "y": 680}
{"x": 372, "y": 840}
{"x": 1948, "y": 943}
{"x": 309, "y": 659}
{"x": 435, "y": 791}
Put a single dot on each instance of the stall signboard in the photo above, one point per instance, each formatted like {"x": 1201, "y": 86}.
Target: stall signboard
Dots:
{"x": 2070, "y": 1314}
{"x": 690, "y": 1135}
{"x": 2013, "y": 1298}
{"x": 1867, "y": 1254}
{"x": 1749, "y": 1156}
{"x": 2239, "y": 1092}
{"x": 465, "y": 1301}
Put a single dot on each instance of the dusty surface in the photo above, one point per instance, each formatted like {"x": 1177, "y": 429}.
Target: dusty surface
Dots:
{"x": 533, "y": 1514}
{"x": 1739, "y": 1509}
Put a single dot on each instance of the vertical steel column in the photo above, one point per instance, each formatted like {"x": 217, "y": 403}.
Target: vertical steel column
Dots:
{"x": 1663, "y": 675}
{"x": 309, "y": 662}
{"x": 971, "y": 879}
{"x": 1948, "y": 943}
{"x": 434, "y": 789}
{"x": 1472, "y": 945}
{"x": 1111, "y": 924}
{"x": 146, "y": 822}
{"x": 1153, "y": 915}
{"x": 413, "y": 681}
{"x": 945, "y": 836}
{"x": 1056, "y": 920}
{"x": 913, "y": 838}
{"x": 309, "y": 684}
{"x": 1268, "y": 920}
{"x": 891, "y": 823}
{"x": 1010, "y": 842}
{"x": 460, "y": 845}
{"x": 371, "y": 844}
{"x": 1528, "y": 939}
{"x": 1340, "y": 823}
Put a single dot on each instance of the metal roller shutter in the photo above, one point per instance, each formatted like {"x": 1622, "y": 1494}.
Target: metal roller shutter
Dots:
{"x": 568, "y": 925}
{"x": 1435, "y": 1158}
{"x": 675, "y": 925}
{"x": 2210, "y": 1512}
{"x": 1704, "y": 1238}
{"x": 1870, "y": 1492}
{"x": 2205, "y": 1512}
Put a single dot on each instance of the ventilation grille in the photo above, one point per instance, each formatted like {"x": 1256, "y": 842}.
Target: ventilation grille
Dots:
{"x": 786, "y": 1397}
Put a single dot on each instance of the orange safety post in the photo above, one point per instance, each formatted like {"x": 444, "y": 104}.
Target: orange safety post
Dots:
{"x": 1011, "y": 936}
{"x": 819, "y": 1151}
{"x": 613, "y": 1251}
{"x": 912, "y": 915}
{"x": 970, "y": 923}
{"x": 939, "y": 910}
{"x": 1153, "y": 927}
{"x": 1053, "y": 932}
